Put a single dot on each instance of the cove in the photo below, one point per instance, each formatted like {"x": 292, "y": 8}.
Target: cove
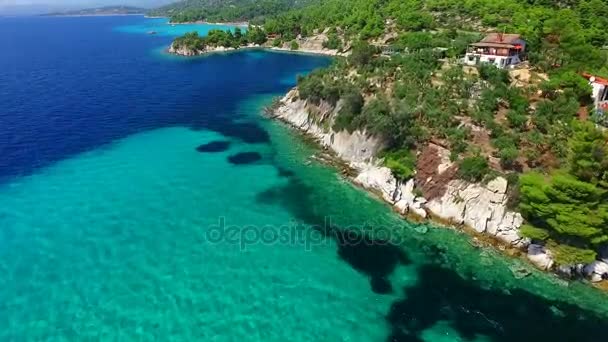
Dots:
{"x": 110, "y": 216}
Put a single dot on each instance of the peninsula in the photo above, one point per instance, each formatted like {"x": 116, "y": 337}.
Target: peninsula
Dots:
{"x": 460, "y": 113}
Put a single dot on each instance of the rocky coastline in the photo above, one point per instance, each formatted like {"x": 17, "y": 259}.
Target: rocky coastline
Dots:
{"x": 187, "y": 52}
{"x": 434, "y": 193}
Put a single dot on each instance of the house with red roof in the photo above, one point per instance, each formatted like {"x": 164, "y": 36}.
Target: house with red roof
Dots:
{"x": 500, "y": 49}
{"x": 599, "y": 91}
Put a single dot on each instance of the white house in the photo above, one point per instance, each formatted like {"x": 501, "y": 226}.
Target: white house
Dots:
{"x": 501, "y": 49}
{"x": 599, "y": 92}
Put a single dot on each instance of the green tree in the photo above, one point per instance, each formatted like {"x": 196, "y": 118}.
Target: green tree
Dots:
{"x": 362, "y": 53}
{"x": 589, "y": 153}
{"x": 401, "y": 162}
{"x": 474, "y": 168}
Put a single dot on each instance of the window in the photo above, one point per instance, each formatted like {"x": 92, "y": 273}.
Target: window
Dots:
{"x": 492, "y": 60}
{"x": 471, "y": 58}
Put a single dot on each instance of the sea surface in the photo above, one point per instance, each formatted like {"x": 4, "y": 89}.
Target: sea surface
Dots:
{"x": 145, "y": 197}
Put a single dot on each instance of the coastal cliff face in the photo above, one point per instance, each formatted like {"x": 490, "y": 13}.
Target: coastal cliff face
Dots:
{"x": 312, "y": 45}
{"x": 435, "y": 192}
{"x": 186, "y": 51}
{"x": 482, "y": 207}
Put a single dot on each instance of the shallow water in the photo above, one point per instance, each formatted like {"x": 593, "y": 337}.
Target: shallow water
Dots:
{"x": 116, "y": 225}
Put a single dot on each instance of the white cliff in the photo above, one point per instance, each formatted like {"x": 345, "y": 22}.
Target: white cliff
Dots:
{"x": 481, "y": 207}
{"x": 185, "y": 51}
{"x": 357, "y": 148}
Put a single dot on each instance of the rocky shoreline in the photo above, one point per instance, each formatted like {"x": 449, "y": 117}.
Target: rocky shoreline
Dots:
{"x": 184, "y": 51}
{"x": 190, "y": 53}
{"x": 434, "y": 193}
{"x": 310, "y": 45}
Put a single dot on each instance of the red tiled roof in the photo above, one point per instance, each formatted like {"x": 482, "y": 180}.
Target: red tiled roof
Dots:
{"x": 599, "y": 80}
{"x": 495, "y": 45}
{"x": 501, "y": 38}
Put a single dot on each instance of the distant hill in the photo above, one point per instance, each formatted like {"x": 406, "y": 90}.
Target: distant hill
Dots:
{"x": 106, "y": 10}
{"x": 225, "y": 10}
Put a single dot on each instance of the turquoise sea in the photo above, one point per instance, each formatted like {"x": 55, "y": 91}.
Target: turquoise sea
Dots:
{"x": 145, "y": 197}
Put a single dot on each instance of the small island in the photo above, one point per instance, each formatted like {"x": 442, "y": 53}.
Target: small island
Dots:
{"x": 100, "y": 11}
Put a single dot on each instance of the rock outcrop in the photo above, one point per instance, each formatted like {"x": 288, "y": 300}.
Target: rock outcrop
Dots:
{"x": 596, "y": 271}
{"x": 400, "y": 195}
{"x": 481, "y": 207}
{"x": 540, "y": 257}
{"x": 357, "y": 148}
{"x": 182, "y": 50}
{"x": 311, "y": 44}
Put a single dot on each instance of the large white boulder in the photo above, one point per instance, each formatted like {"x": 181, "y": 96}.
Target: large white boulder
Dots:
{"x": 540, "y": 256}
{"x": 596, "y": 271}
{"x": 400, "y": 195}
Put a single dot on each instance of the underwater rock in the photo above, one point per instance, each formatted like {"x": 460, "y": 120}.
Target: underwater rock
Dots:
{"x": 214, "y": 146}
{"x": 244, "y": 158}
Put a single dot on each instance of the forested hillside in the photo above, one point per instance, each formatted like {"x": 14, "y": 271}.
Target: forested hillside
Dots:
{"x": 539, "y": 131}
{"x": 225, "y": 10}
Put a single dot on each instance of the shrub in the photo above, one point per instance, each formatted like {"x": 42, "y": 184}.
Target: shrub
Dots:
{"x": 401, "y": 162}
{"x": 294, "y": 45}
{"x": 570, "y": 255}
{"x": 494, "y": 75}
{"x": 568, "y": 81}
{"x": 332, "y": 42}
{"x": 534, "y": 233}
{"x": 517, "y": 119}
{"x": 362, "y": 53}
{"x": 473, "y": 169}
{"x": 351, "y": 108}
{"x": 508, "y": 156}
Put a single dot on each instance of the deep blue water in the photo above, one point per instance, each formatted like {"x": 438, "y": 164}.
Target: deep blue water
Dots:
{"x": 71, "y": 84}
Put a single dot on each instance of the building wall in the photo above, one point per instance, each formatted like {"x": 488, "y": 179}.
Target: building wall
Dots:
{"x": 522, "y": 43}
{"x": 599, "y": 92}
{"x": 499, "y": 61}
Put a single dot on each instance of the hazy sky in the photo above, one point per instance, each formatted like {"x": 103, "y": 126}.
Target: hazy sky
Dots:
{"x": 12, "y": 4}
{"x": 82, "y": 2}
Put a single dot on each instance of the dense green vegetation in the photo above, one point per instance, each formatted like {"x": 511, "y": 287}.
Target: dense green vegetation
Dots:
{"x": 254, "y": 11}
{"x": 570, "y": 206}
{"x": 563, "y": 34}
{"x": 192, "y": 41}
{"x": 532, "y": 132}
